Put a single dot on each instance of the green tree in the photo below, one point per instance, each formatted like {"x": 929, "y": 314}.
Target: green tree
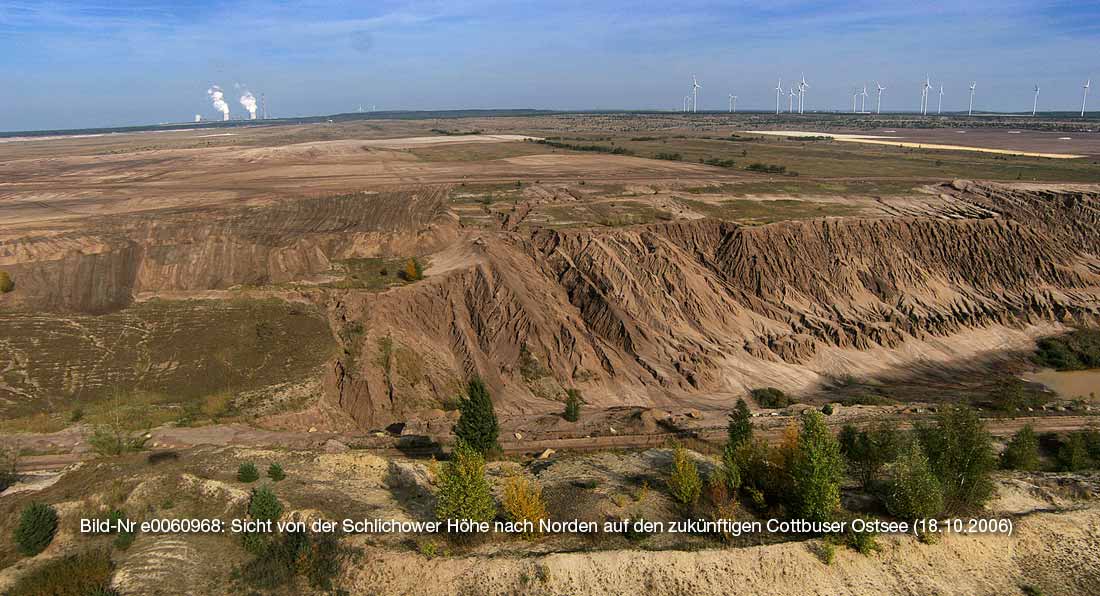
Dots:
{"x": 6, "y": 284}
{"x": 247, "y": 472}
{"x": 477, "y": 425}
{"x": 1022, "y": 451}
{"x": 36, "y": 529}
{"x": 683, "y": 481}
{"x": 464, "y": 492}
{"x": 276, "y": 472}
{"x": 264, "y": 505}
{"x": 729, "y": 469}
{"x": 960, "y": 451}
{"x": 739, "y": 428}
{"x": 816, "y": 470}
{"x": 572, "y": 405}
{"x": 771, "y": 398}
{"x": 914, "y": 492}
{"x": 867, "y": 451}
{"x": 1073, "y": 455}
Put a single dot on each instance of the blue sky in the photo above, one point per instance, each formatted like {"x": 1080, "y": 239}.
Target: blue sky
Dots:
{"x": 105, "y": 63}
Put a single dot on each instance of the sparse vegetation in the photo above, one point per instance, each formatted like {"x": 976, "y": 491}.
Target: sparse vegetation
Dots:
{"x": 477, "y": 425}
{"x": 36, "y": 529}
{"x": 315, "y": 556}
{"x": 669, "y": 156}
{"x": 6, "y": 283}
{"x": 82, "y": 574}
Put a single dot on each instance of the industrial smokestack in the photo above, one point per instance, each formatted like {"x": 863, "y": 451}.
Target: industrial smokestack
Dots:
{"x": 218, "y": 99}
{"x": 249, "y": 102}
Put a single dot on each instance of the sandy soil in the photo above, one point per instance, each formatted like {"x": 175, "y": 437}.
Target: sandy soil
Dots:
{"x": 900, "y": 140}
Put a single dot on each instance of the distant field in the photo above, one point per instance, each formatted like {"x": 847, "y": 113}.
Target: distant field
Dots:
{"x": 834, "y": 160}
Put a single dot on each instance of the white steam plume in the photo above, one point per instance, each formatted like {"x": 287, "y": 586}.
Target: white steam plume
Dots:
{"x": 218, "y": 99}
{"x": 249, "y": 102}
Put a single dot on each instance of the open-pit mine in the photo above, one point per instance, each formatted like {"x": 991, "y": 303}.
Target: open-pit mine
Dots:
{"x": 325, "y": 297}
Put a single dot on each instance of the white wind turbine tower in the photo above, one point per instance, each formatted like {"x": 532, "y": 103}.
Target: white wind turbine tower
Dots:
{"x": 790, "y": 100}
{"x": 924, "y": 87}
{"x": 863, "y": 101}
{"x": 694, "y": 94}
{"x": 855, "y": 94}
{"x": 970, "y": 110}
{"x": 1035, "y": 102}
{"x": 1088, "y": 83}
{"x": 733, "y": 103}
{"x": 687, "y": 98}
{"x": 939, "y": 106}
{"x": 802, "y": 87}
{"x": 778, "y": 94}
{"x": 880, "y": 89}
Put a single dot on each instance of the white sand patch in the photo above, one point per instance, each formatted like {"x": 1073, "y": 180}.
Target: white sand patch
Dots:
{"x": 890, "y": 140}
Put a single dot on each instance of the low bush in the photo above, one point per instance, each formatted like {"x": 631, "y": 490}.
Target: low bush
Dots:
{"x": 1022, "y": 451}
{"x": 1073, "y": 455}
{"x": 771, "y": 398}
{"x": 275, "y": 472}
{"x": 669, "y": 156}
{"x": 82, "y": 574}
{"x": 684, "y": 483}
{"x": 247, "y": 472}
{"x": 114, "y": 440}
{"x": 523, "y": 502}
{"x": 6, "y": 283}
{"x": 36, "y": 529}
{"x": 317, "y": 557}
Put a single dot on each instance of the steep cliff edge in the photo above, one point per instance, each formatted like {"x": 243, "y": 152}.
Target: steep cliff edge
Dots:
{"x": 654, "y": 313}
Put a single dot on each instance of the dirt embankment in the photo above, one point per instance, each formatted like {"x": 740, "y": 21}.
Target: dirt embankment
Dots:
{"x": 651, "y": 314}
{"x": 102, "y": 268}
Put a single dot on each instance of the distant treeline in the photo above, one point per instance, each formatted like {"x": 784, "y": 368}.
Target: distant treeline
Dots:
{"x": 589, "y": 148}
{"x": 454, "y": 133}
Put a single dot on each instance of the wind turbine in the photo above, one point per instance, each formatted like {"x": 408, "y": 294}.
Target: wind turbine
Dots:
{"x": 924, "y": 87}
{"x": 863, "y": 101}
{"x": 733, "y": 103}
{"x": 802, "y": 87}
{"x": 939, "y": 106}
{"x": 778, "y": 93}
{"x": 687, "y": 98}
{"x": 1088, "y": 83}
{"x": 790, "y": 100}
{"x": 970, "y": 110}
{"x": 1035, "y": 103}
{"x": 880, "y": 89}
{"x": 855, "y": 94}
{"x": 694, "y": 94}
